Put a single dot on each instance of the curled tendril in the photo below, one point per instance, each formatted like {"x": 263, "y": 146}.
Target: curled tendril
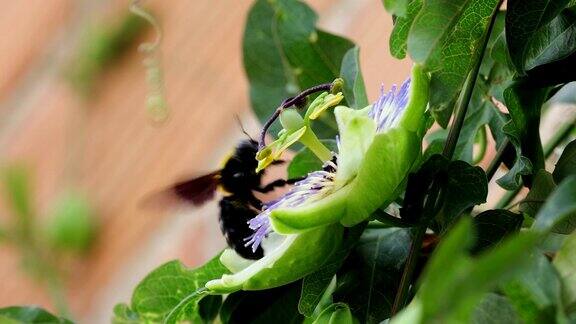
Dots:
{"x": 137, "y": 9}
{"x": 156, "y": 98}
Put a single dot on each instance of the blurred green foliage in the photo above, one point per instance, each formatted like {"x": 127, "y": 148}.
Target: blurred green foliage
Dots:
{"x": 101, "y": 45}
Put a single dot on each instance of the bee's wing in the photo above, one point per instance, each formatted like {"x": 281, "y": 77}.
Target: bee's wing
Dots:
{"x": 194, "y": 191}
{"x": 198, "y": 190}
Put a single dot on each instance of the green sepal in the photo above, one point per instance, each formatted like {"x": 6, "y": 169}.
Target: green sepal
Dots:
{"x": 357, "y": 132}
{"x": 386, "y": 165}
{"x": 295, "y": 257}
{"x": 413, "y": 119}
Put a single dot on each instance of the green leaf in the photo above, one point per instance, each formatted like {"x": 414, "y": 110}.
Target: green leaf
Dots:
{"x": 453, "y": 283}
{"x": 369, "y": 278}
{"x": 124, "y": 315}
{"x": 277, "y": 305}
{"x": 417, "y": 188}
{"x": 461, "y": 186}
{"x": 566, "y": 165}
{"x": 565, "y": 263}
{"x": 29, "y": 314}
{"x": 513, "y": 178}
{"x": 284, "y": 53}
{"x": 305, "y": 161}
{"x": 99, "y": 47}
{"x": 354, "y": 89}
{"x": 314, "y": 285}
{"x": 187, "y": 308}
{"x": 559, "y": 209}
{"x": 535, "y": 291}
{"x": 541, "y": 188}
{"x": 495, "y": 309}
{"x": 554, "y": 74}
{"x": 337, "y": 313}
{"x": 524, "y": 20}
{"x": 399, "y": 36}
{"x": 493, "y": 226}
{"x": 441, "y": 16}
{"x": 464, "y": 187}
{"x": 173, "y": 291}
{"x": 524, "y": 101}
{"x": 553, "y": 42}
{"x": 446, "y": 37}
{"x": 396, "y": 7}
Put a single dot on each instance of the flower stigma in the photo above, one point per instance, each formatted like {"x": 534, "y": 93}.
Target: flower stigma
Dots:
{"x": 298, "y": 129}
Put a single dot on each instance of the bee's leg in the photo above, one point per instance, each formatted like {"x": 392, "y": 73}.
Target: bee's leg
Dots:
{"x": 255, "y": 202}
{"x": 278, "y": 162}
{"x": 277, "y": 183}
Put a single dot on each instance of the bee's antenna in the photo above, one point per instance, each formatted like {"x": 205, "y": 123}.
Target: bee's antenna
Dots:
{"x": 242, "y": 126}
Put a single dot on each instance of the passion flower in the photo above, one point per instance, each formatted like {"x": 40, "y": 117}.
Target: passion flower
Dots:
{"x": 378, "y": 146}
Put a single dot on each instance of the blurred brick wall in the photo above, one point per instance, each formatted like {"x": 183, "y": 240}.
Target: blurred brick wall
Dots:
{"x": 118, "y": 155}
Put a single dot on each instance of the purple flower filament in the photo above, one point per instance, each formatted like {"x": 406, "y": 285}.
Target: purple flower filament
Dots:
{"x": 387, "y": 110}
{"x": 314, "y": 187}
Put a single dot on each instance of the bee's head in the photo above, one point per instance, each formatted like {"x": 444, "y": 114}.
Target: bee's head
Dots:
{"x": 239, "y": 172}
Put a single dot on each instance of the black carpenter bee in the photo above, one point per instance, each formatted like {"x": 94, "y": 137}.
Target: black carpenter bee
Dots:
{"x": 239, "y": 179}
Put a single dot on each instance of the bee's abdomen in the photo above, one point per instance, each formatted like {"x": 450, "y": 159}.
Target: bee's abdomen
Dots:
{"x": 234, "y": 216}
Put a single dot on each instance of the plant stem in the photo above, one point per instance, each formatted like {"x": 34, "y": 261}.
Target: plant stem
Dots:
{"x": 388, "y": 220}
{"x": 312, "y": 142}
{"x": 559, "y": 137}
{"x": 411, "y": 262}
{"x": 495, "y": 164}
{"x": 462, "y": 105}
{"x": 430, "y": 209}
{"x": 508, "y": 198}
{"x": 448, "y": 152}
